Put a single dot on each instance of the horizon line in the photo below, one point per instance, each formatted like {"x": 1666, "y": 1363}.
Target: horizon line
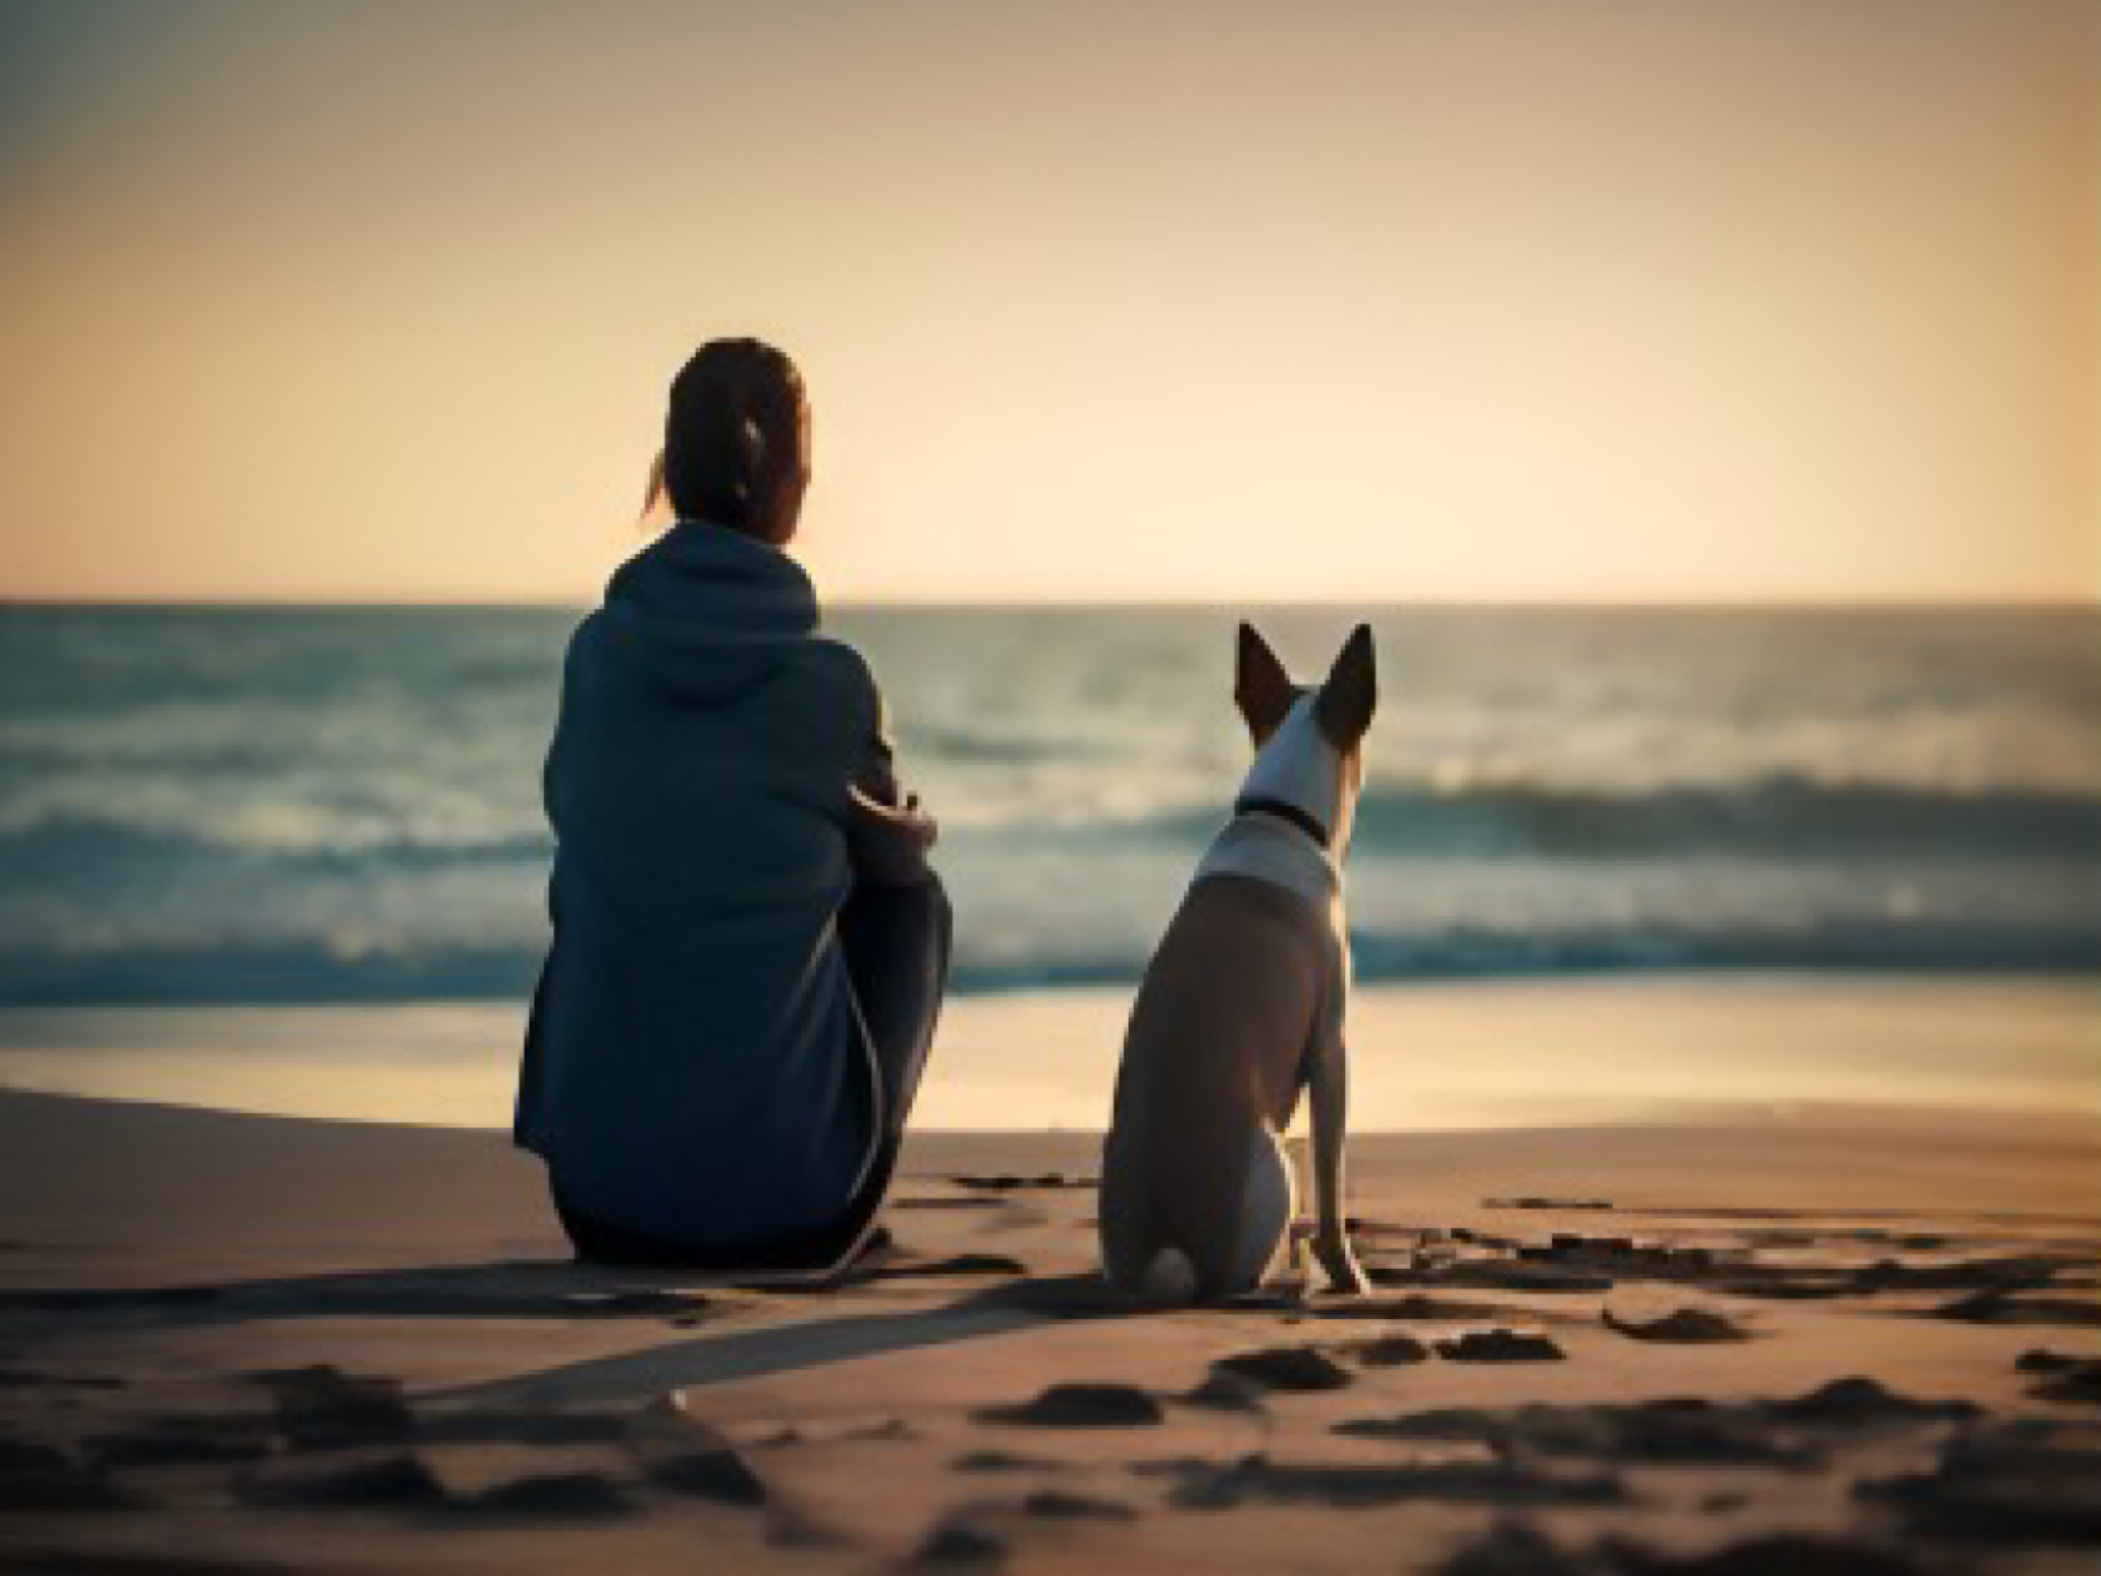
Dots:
{"x": 2074, "y": 602}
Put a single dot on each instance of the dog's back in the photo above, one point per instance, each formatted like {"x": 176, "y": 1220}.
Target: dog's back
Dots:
{"x": 1211, "y": 1062}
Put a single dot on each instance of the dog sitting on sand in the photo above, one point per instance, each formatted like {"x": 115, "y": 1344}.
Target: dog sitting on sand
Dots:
{"x": 1242, "y": 1006}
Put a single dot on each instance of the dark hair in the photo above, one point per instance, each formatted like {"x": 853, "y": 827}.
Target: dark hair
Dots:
{"x": 731, "y": 431}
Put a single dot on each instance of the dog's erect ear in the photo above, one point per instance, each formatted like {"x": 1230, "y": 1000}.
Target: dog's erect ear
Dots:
{"x": 1261, "y": 687}
{"x": 1351, "y": 694}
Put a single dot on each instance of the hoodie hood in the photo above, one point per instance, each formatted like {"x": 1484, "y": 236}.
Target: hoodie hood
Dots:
{"x": 708, "y": 612}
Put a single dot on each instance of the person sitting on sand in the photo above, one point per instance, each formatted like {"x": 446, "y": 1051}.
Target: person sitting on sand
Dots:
{"x": 749, "y": 946}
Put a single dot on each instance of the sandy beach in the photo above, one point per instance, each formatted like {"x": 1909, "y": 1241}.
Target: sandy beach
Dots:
{"x": 1734, "y": 1338}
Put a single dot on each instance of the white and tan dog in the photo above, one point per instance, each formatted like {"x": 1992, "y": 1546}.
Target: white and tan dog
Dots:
{"x": 1242, "y": 1006}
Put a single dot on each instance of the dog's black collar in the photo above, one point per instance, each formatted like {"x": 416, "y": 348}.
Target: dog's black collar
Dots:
{"x": 1283, "y": 811}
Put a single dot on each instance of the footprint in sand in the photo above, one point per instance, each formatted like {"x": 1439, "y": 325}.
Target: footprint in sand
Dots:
{"x": 1513, "y": 1549}
{"x": 1079, "y": 1406}
{"x": 959, "y": 1545}
{"x": 1294, "y": 1368}
{"x": 1499, "y": 1346}
{"x": 2063, "y": 1377}
{"x": 1390, "y": 1351}
{"x": 1057, "y": 1505}
{"x": 1004, "y": 1461}
{"x": 1689, "y": 1326}
{"x": 1222, "y": 1485}
{"x": 1992, "y": 1307}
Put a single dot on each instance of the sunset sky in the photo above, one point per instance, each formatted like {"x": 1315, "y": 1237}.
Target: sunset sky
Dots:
{"x": 1678, "y": 299}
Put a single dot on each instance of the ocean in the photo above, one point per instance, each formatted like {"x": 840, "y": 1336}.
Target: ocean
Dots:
{"x": 307, "y": 805}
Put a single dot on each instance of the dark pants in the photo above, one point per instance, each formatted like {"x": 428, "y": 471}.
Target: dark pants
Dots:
{"x": 896, "y": 941}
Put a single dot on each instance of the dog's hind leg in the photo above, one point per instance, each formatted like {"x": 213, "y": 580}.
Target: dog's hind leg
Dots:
{"x": 1266, "y": 1207}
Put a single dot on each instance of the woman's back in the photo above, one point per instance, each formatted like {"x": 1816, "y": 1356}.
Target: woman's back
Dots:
{"x": 694, "y": 1068}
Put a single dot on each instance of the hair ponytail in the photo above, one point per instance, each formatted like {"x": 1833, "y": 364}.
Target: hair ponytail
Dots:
{"x": 731, "y": 432}
{"x": 655, "y": 490}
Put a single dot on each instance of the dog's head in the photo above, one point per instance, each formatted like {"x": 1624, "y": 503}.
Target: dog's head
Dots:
{"x": 1309, "y": 740}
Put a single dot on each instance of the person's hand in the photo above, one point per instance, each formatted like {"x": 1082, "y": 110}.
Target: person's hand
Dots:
{"x": 889, "y": 843}
{"x": 1331, "y": 1246}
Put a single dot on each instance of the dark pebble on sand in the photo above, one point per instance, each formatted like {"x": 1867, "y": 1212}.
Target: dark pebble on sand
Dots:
{"x": 2018, "y": 1273}
{"x": 1296, "y": 1368}
{"x": 2081, "y": 1384}
{"x": 1573, "y": 1244}
{"x": 1511, "y": 1275}
{"x": 2063, "y": 1376}
{"x": 1857, "y": 1400}
{"x": 1992, "y": 1307}
{"x": 1690, "y": 1326}
{"x": 1390, "y": 1351}
{"x": 1080, "y": 1406}
{"x": 1417, "y": 1306}
{"x": 1499, "y": 1346}
{"x": 1002, "y": 1461}
{"x": 2038, "y": 1361}
{"x": 1227, "y": 1392}
{"x": 1057, "y": 1505}
{"x": 1517, "y": 1550}
{"x": 1223, "y": 1485}
{"x": 1445, "y": 1425}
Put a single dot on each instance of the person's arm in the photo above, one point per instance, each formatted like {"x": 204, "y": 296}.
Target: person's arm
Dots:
{"x": 876, "y": 775}
{"x": 888, "y": 843}
{"x": 888, "y": 835}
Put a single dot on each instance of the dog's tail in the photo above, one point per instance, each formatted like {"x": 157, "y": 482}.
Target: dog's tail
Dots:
{"x": 1169, "y": 1276}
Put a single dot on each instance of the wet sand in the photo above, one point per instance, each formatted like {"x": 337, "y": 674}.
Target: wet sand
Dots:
{"x": 1505, "y": 1053}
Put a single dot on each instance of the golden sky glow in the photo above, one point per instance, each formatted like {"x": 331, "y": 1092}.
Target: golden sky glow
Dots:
{"x": 1676, "y": 299}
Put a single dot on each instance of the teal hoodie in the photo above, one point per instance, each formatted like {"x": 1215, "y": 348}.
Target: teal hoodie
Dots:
{"x": 695, "y": 1068}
